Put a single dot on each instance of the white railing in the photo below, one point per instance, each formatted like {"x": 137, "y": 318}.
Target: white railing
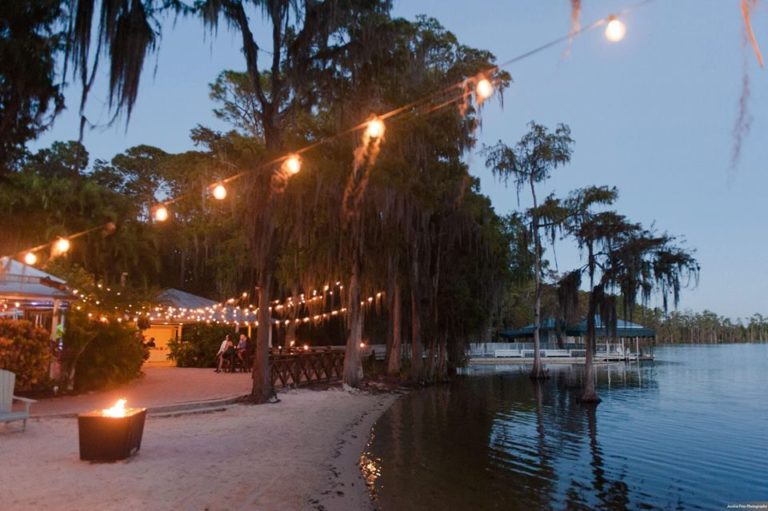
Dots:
{"x": 525, "y": 350}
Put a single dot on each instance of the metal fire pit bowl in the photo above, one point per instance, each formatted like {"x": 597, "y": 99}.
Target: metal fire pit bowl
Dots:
{"x": 104, "y": 438}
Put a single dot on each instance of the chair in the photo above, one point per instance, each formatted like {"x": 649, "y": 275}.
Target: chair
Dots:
{"x": 7, "y": 383}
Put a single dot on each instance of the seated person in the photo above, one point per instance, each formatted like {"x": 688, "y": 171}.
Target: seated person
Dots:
{"x": 226, "y": 351}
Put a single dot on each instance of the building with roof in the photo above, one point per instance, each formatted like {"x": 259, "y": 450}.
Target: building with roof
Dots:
{"x": 29, "y": 293}
{"x": 552, "y": 334}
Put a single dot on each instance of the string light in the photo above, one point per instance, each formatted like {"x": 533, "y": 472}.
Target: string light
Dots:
{"x": 219, "y": 192}
{"x": 375, "y": 128}
{"x": 61, "y": 246}
{"x": 484, "y": 89}
{"x": 30, "y": 258}
{"x": 161, "y": 213}
{"x": 292, "y": 164}
{"x": 615, "y": 30}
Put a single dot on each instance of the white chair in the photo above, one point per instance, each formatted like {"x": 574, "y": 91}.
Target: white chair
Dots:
{"x": 7, "y": 383}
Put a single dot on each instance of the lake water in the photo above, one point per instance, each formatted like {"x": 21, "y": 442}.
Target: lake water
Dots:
{"x": 688, "y": 431}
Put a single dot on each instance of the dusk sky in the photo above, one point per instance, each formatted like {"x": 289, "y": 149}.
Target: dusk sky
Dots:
{"x": 652, "y": 115}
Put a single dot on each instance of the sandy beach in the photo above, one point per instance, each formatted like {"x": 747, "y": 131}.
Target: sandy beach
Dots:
{"x": 301, "y": 453}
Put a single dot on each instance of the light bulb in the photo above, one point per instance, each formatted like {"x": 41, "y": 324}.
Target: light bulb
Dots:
{"x": 484, "y": 89}
{"x": 615, "y": 30}
{"x": 375, "y": 128}
{"x": 219, "y": 192}
{"x": 62, "y": 245}
{"x": 161, "y": 214}
{"x": 293, "y": 164}
{"x": 30, "y": 258}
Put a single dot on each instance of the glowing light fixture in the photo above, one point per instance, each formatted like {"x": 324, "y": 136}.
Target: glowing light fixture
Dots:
{"x": 293, "y": 164}
{"x": 219, "y": 192}
{"x": 615, "y": 30}
{"x": 62, "y": 246}
{"x": 30, "y": 258}
{"x": 484, "y": 89}
{"x": 375, "y": 128}
{"x": 161, "y": 213}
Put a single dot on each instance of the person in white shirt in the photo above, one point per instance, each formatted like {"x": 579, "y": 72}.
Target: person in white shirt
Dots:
{"x": 227, "y": 349}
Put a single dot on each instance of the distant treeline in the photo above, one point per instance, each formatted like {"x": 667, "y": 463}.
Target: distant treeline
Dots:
{"x": 702, "y": 327}
{"x": 672, "y": 327}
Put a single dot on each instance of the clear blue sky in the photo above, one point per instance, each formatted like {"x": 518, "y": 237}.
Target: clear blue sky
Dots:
{"x": 652, "y": 115}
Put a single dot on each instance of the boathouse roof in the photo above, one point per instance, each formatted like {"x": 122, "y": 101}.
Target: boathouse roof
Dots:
{"x": 623, "y": 329}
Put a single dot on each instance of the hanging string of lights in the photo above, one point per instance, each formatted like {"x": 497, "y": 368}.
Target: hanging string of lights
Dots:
{"x": 480, "y": 87}
{"x": 227, "y": 312}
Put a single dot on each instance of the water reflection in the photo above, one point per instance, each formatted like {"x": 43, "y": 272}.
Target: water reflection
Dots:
{"x": 497, "y": 440}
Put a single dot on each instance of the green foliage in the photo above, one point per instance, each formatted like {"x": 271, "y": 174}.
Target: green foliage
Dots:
{"x": 199, "y": 345}
{"x": 24, "y": 350}
{"x": 29, "y": 94}
{"x": 61, "y": 160}
{"x": 104, "y": 354}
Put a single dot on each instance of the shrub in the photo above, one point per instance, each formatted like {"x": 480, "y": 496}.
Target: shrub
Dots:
{"x": 102, "y": 354}
{"x": 24, "y": 350}
{"x": 199, "y": 345}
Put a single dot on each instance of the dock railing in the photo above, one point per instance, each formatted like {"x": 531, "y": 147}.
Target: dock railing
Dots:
{"x": 294, "y": 368}
{"x": 611, "y": 351}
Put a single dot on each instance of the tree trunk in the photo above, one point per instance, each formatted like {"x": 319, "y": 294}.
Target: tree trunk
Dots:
{"x": 537, "y": 372}
{"x": 353, "y": 369}
{"x": 429, "y": 368}
{"x": 262, "y": 385}
{"x": 589, "y": 394}
{"x": 394, "y": 354}
{"x": 416, "y": 348}
{"x": 442, "y": 358}
{"x": 290, "y": 332}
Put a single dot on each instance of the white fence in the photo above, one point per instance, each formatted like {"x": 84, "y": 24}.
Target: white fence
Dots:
{"x": 525, "y": 350}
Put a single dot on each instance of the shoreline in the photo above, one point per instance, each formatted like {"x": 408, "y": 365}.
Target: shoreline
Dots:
{"x": 346, "y": 488}
{"x": 296, "y": 454}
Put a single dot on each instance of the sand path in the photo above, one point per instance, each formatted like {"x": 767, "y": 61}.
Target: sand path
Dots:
{"x": 301, "y": 453}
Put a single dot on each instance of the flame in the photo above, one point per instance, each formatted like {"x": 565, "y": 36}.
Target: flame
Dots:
{"x": 116, "y": 411}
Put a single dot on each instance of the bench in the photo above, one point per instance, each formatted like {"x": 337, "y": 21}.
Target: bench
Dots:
{"x": 506, "y": 353}
{"x": 7, "y": 383}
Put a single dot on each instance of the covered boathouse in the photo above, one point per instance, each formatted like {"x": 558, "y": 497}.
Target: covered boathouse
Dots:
{"x": 631, "y": 342}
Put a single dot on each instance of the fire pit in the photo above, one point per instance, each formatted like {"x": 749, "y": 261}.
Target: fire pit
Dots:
{"x": 112, "y": 434}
